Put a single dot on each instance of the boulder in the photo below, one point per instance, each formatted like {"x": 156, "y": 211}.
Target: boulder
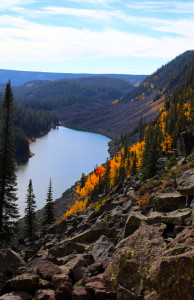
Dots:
{"x": 64, "y": 291}
{"x": 133, "y": 222}
{"x": 95, "y": 268}
{"x": 103, "y": 250}
{"x": 166, "y": 202}
{"x": 80, "y": 293}
{"x": 133, "y": 258}
{"x": 47, "y": 294}
{"x": 77, "y": 266}
{"x": 97, "y": 286}
{"x": 24, "y": 282}
{"x": 172, "y": 273}
{"x": 153, "y": 295}
{"x": 185, "y": 182}
{"x": 91, "y": 235}
{"x": 44, "y": 284}
{"x": 127, "y": 206}
{"x": 16, "y": 296}
{"x": 47, "y": 269}
{"x": 176, "y": 217}
{"x": 10, "y": 261}
{"x": 58, "y": 279}
{"x": 66, "y": 247}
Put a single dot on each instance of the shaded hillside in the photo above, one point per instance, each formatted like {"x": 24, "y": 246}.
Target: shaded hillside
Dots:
{"x": 21, "y": 77}
{"x": 148, "y": 98}
{"x": 49, "y": 95}
{"x": 164, "y": 80}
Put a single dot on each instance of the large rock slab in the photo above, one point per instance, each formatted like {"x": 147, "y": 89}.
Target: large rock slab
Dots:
{"x": 47, "y": 269}
{"x": 133, "y": 258}
{"x": 10, "y": 261}
{"x": 166, "y": 202}
{"x": 67, "y": 247}
{"x": 176, "y": 217}
{"x": 46, "y": 294}
{"x": 133, "y": 222}
{"x": 185, "y": 182}
{"x": 80, "y": 293}
{"x": 172, "y": 274}
{"x": 97, "y": 286}
{"x": 103, "y": 250}
{"x": 25, "y": 282}
{"x": 16, "y": 296}
{"x": 91, "y": 235}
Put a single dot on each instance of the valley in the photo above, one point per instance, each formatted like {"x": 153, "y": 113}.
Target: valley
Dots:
{"x": 124, "y": 230}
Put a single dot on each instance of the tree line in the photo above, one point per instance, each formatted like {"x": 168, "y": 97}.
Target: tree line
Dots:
{"x": 9, "y": 212}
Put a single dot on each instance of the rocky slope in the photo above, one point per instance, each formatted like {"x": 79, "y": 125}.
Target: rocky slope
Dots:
{"x": 122, "y": 248}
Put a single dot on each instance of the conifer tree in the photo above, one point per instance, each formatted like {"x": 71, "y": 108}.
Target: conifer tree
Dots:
{"x": 8, "y": 198}
{"x": 30, "y": 214}
{"x": 49, "y": 216}
{"x": 106, "y": 177}
{"x": 151, "y": 153}
{"x": 134, "y": 165}
{"x": 83, "y": 180}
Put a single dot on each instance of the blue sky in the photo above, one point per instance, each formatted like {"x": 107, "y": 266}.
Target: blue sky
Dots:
{"x": 93, "y": 36}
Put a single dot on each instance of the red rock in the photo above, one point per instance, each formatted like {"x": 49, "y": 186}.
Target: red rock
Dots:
{"x": 47, "y": 269}
{"x": 45, "y": 295}
{"x": 80, "y": 293}
{"x": 64, "y": 291}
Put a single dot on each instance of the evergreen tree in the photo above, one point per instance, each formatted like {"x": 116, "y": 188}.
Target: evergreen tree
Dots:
{"x": 30, "y": 214}
{"x": 83, "y": 180}
{"x": 151, "y": 153}
{"x": 134, "y": 164}
{"x": 8, "y": 198}
{"x": 49, "y": 216}
{"x": 106, "y": 177}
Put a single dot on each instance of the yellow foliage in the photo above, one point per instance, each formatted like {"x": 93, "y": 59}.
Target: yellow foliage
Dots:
{"x": 114, "y": 102}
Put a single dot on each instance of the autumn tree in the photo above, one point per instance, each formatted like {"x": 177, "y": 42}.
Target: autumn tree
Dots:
{"x": 8, "y": 198}
{"x": 30, "y": 213}
{"x": 49, "y": 215}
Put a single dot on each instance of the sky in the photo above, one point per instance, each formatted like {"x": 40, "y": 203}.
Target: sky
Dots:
{"x": 93, "y": 36}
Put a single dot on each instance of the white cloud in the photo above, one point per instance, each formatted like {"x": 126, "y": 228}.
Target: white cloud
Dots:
{"x": 29, "y": 42}
{"x": 93, "y": 14}
{"x": 6, "y": 4}
{"x": 102, "y": 2}
{"x": 164, "y": 6}
{"x": 109, "y": 17}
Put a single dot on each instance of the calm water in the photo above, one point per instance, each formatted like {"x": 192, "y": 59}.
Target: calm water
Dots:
{"x": 62, "y": 155}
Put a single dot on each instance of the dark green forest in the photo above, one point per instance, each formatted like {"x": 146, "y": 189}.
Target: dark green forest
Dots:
{"x": 28, "y": 123}
{"x": 49, "y": 95}
{"x": 164, "y": 80}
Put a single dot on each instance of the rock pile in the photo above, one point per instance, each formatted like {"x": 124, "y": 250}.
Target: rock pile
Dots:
{"x": 117, "y": 252}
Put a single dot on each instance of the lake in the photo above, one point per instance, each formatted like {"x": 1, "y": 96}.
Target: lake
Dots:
{"x": 62, "y": 155}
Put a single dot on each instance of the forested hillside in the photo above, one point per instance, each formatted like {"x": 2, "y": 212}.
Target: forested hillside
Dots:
{"x": 164, "y": 80}
{"x": 29, "y": 123}
{"x": 143, "y": 101}
{"x": 49, "y": 95}
{"x": 159, "y": 139}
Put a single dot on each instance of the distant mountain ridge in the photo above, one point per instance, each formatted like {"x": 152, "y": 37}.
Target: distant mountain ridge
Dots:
{"x": 49, "y": 95}
{"x": 20, "y": 77}
{"x": 164, "y": 80}
{"x": 142, "y": 101}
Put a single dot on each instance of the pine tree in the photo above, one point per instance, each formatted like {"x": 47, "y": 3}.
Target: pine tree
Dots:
{"x": 106, "y": 177}
{"x": 151, "y": 153}
{"x": 49, "y": 216}
{"x": 83, "y": 180}
{"x": 8, "y": 198}
{"x": 134, "y": 164}
{"x": 30, "y": 214}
